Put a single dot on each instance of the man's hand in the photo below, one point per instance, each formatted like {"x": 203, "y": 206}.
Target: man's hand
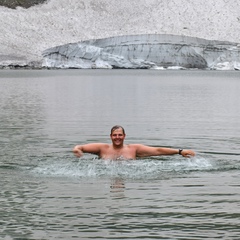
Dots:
{"x": 77, "y": 151}
{"x": 187, "y": 153}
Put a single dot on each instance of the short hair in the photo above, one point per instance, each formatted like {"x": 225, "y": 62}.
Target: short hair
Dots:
{"x": 117, "y": 127}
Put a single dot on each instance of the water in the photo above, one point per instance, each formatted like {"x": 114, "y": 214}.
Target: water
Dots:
{"x": 46, "y": 193}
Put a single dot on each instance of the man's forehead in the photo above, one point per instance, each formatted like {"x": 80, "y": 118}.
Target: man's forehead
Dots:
{"x": 118, "y": 130}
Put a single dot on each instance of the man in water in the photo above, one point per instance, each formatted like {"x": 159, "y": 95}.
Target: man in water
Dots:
{"x": 119, "y": 150}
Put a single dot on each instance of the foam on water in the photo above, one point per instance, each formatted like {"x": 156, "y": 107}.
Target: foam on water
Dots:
{"x": 133, "y": 169}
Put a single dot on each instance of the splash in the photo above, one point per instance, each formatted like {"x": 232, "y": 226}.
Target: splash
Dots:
{"x": 131, "y": 169}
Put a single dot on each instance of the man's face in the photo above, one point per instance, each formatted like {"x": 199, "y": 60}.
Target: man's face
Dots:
{"x": 117, "y": 137}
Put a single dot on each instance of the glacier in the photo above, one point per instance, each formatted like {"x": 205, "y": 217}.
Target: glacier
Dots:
{"x": 151, "y": 51}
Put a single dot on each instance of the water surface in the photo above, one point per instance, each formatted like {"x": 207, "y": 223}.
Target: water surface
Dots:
{"x": 46, "y": 193}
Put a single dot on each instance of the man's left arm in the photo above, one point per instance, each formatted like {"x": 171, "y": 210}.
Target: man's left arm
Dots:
{"x": 146, "y": 151}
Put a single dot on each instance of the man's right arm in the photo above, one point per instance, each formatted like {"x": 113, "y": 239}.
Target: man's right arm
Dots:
{"x": 94, "y": 148}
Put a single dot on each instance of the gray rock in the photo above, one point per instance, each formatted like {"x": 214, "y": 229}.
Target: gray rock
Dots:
{"x": 145, "y": 51}
{"x": 20, "y": 3}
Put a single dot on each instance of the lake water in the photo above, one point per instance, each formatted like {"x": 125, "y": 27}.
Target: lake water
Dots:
{"x": 47, "y": 193}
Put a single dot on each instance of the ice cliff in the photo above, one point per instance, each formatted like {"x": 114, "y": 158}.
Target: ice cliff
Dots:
{"x": 145, "y": 51}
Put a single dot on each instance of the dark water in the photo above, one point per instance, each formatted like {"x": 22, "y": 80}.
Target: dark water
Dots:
{"x": 46, "y": 193}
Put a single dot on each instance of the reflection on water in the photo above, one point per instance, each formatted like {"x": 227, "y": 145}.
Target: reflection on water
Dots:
{"x": 47, "y": 193}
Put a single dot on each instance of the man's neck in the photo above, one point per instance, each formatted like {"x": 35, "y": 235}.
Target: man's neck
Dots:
{"x": 117, "y": 147}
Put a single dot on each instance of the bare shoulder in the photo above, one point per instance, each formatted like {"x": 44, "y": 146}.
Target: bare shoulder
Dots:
{"x": 104, "y": 145}
{"x": 98, "y": 144}
{"x": 94, "y": 147}
{"x": 136, "y": 146}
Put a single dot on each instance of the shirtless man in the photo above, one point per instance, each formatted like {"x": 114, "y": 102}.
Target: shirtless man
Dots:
{"x": 119, "y": 150}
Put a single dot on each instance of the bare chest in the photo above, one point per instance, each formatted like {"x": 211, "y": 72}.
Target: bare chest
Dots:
{"x": 115, "y": 154}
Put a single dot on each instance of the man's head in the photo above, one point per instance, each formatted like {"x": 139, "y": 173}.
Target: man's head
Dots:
{"x": 117, "y": 127}
{"x": 117, "y": 135}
